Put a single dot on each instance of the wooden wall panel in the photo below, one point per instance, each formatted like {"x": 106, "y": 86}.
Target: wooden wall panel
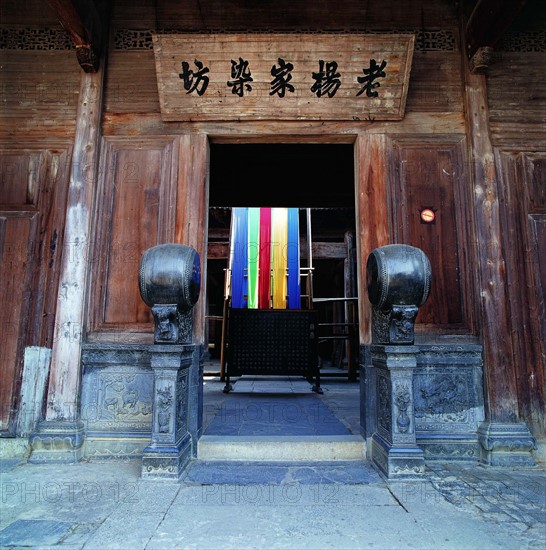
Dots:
{"x": 129, "y": 90}
{"x": 49, "y": 245}
{"x": 33, "y": 186}
{"x": 516, "y": 89}
{"x": 17, "y": 232}
{"x": 20, "y": 173}
{"x": 537, "y": 226}
{"x": 38, "y": 95}
{"x": 435, "y": 83}
{"x": 523, "y": 176}
{"x": 27, "y": 12}
{"x": 136, "y": 209}
{"x": 431, "y": 174}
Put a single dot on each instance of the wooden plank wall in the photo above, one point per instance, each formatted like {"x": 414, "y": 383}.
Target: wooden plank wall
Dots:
{"x": 39, "y": 79}
{"x": 516, "y": 84}
{"x": 520, "y": 156}
{"x": 430, "y": 173}
{"x": 32, "y": 206}
{"x": 132, "y": 109}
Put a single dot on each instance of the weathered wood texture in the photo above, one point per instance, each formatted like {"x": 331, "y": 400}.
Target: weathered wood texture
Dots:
{"x": 495, "y": 323}
{"x": 434, "y": 86}
{"x": 16, "y": 238}
{"x": 523, "y": 178}
{"x": 33, "y": 186}
{"x": 516, "y": 90}
{"x": 138, "y": 190}
{"x": 371, "y": 215}
{"x": 65, "y": 373}
{"x": 192, "y": 212}
{"x": 431, "y": 173}
{"x": 249, "y": 63}
{"x": 38, "y": 96}
{"x": 516, "y": 93}
{"x": 29, "y": 12}
{"x": 152, "y": 191}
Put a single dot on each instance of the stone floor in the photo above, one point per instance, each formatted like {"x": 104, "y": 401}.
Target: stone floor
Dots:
{"x": 259, "y": 405}
{"x": 221, "y": 504}
{"x": 224, "y": 505}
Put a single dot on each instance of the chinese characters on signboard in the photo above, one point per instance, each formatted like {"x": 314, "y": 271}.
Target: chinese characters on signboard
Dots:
{"x": 225, "y": 77}
{"x": 327, "y": 79}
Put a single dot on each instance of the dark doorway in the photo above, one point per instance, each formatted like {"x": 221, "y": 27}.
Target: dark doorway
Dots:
{"x": 319, "y": 177}
{"x": 292, "y": 175}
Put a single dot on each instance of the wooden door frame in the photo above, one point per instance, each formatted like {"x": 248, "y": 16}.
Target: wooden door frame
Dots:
{"x": 370, "y": 188}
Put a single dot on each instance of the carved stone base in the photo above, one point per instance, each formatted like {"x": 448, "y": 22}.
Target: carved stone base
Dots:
{"x": 115, "y": 446}
{"x": 57, "y": 441}
{"x": 170, "y": 447}
{"x": 395, "y": 325}
{"x": 446, "y": 447}
{"x": 397, "y": 462}
{"x": 166, "y": 462}
{"x": 195, "y": 411}
{"x": 506, "y": 444}
{"x": 394, "y": 449}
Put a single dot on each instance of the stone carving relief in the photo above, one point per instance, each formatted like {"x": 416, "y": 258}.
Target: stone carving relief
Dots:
{"x": 117, "y": 400}
{"x": 443, "y": 398}
{"x": 384, "y": 404}
{"x": 402, "y": 400}
{"x": 164, "y": 400}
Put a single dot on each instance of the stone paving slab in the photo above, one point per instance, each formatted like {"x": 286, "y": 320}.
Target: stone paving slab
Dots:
{"x": 33, "y": 532}
{"x": 102, "y": 505}
{"x": 228, "y": 472}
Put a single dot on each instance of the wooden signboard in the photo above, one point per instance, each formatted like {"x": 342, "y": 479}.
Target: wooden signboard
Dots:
{"x": 282, "y": 76}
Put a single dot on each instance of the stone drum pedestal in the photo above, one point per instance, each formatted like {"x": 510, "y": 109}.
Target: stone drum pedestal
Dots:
{"x": 398, "y": 280}
{"x": 169, "y": 281}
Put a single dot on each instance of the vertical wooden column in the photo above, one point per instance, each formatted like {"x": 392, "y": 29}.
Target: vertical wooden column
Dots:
{"x": 372, "y": 215}
{"x": 191, "y": 229}
{"x": 372, "y": 231}
{"x": 60, "y": 437}
{"x": 504, "y": 439}
{"x": 192, "y": 212}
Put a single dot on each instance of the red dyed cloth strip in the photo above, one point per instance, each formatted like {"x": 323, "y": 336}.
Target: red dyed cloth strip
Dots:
{"x": 264, "y": 288}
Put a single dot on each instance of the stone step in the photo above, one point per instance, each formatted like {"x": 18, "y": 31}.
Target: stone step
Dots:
{"x": 282, "y": 448}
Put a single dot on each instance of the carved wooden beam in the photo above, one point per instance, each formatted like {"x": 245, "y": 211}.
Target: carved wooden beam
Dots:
{"x": 487, "y": 23}
{"x": 85, "y": 22}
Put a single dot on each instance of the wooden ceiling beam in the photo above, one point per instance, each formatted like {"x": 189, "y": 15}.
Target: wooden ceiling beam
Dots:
{"x": 488, "y": 22}
{"x": 85, "y": 22}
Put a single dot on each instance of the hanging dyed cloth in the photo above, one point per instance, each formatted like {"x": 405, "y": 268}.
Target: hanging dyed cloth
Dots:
{"x": 293, "y": 255}
{"x": 238, "y": 257}
{"x": 279, "y": 242}
{"x": 264, "y": 292}
{"x": 253, "y": 251}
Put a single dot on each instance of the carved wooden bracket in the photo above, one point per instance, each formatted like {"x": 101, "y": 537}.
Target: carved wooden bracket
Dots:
{"x": 481, "y": 60}
{"x": 86, "y": 22}
{"x": 488, "y": 22}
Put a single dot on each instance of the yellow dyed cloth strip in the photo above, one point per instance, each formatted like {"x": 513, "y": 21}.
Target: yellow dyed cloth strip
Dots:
{"x": 279, "y": 244}
{"x": 253, "y": 256}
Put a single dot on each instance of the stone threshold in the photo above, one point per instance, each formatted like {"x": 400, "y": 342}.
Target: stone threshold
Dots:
{"x": 319, "y": 448}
